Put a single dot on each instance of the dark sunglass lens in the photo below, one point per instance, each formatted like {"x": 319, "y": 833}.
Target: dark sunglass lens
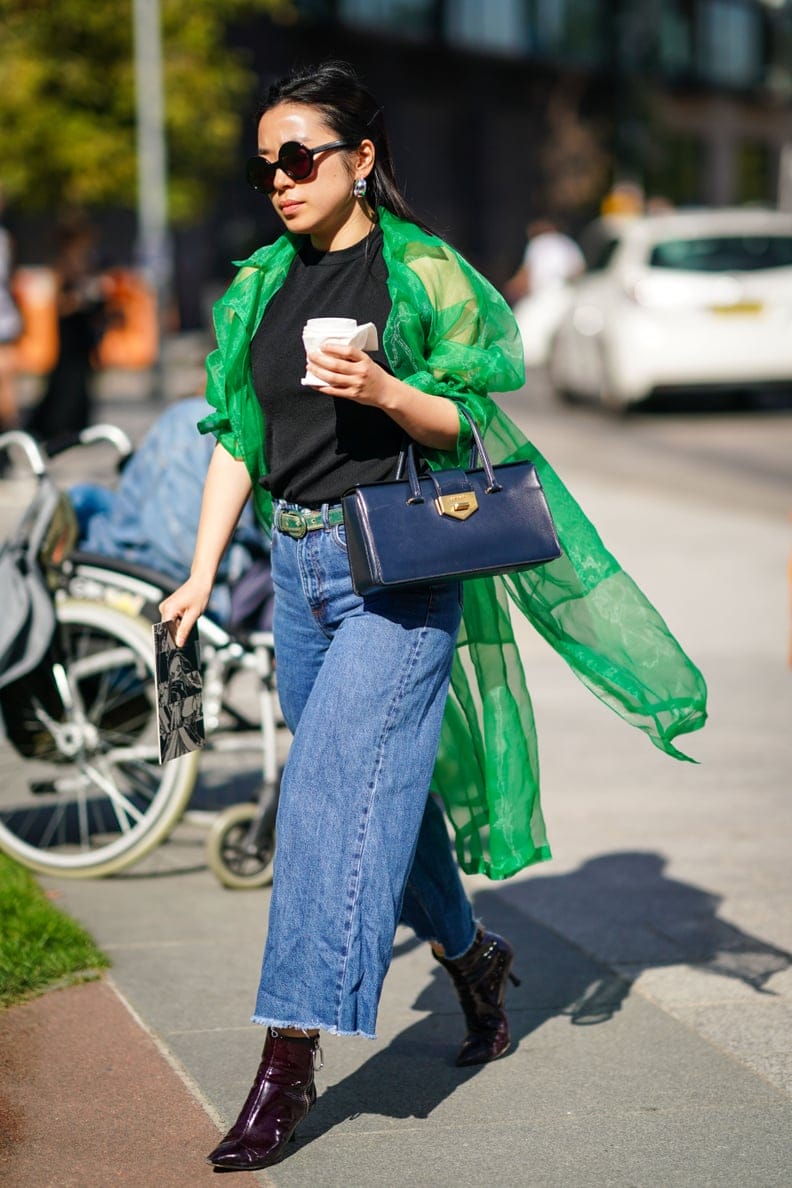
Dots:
{"x": 296, "y": 160}
{"x": 260, "y": 174}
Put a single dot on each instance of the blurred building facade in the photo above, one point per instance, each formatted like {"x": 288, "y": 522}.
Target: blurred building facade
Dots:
{"x": 501, "y": 111}
{"x": 506, "y": 109}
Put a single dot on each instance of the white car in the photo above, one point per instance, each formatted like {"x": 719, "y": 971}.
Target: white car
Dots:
{"x": 700, "y": 299}
{"x": 538, "y": 317}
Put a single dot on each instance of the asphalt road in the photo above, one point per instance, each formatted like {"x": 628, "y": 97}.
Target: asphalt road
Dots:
{"x": 727, "y": 456}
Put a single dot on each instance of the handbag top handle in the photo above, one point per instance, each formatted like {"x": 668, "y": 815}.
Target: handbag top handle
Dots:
{"x": 478, "y": 452}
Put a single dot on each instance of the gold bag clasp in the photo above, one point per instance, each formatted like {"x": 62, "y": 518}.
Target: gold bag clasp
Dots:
{"x": 459, "y": 507}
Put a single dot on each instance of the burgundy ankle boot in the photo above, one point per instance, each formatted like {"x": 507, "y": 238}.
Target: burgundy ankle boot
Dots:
{"x": 282, "y": 1094}
{"x": 479, "y": 978}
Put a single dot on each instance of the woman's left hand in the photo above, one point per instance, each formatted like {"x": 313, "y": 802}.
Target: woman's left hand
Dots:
{"x": 349, "y": 373}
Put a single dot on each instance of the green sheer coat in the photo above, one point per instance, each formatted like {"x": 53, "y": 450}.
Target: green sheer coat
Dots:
{"x": 449, "y": 332}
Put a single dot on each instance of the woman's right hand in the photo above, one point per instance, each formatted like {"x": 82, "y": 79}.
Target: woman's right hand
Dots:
{"x": 185, "y": 606}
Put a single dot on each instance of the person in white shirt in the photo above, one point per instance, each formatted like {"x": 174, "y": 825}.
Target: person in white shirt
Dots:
{"x": 551, "y": 258}
{"x": 538, "y": 290}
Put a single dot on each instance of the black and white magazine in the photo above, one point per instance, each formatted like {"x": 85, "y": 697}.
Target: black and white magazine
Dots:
{"x": 179, "y": 692}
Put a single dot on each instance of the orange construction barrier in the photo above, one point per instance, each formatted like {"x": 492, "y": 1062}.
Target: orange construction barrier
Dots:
{"x": 132, "y": 335}
{"x": 34, "y": 292}
{"x": 130, "y": 340}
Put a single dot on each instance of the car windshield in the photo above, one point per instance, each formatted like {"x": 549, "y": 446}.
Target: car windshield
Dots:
{"x": 724, "y": 253}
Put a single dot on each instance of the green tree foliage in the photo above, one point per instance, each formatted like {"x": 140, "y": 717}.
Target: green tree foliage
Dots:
{"x": 67, "y": 101}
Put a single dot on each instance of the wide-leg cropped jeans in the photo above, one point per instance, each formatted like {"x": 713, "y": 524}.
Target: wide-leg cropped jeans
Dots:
{"x": 360, "y": 844}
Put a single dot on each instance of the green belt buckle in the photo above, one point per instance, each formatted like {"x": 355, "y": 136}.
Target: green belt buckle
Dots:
{"x": 293, "y": 523}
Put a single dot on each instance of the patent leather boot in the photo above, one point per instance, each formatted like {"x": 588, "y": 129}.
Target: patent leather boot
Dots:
{"x": 282, "y": 1094}
{"x": 479, "y": 978}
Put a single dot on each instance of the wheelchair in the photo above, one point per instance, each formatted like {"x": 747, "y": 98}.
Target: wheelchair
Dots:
{"x": 82, "y": 792}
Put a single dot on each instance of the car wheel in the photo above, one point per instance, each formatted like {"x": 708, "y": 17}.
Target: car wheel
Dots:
{"x": 567, "y": 396}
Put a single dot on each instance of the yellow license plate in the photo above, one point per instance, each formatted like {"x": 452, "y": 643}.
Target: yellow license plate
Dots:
{"x": 739, "y": 307}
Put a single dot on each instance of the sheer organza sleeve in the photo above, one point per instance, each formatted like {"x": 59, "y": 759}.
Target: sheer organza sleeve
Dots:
{"x": 450, "y": 331}
{"x": 455, "y": 335}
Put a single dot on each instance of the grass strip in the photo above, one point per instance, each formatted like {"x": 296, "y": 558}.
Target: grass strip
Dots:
{"x": 39, "y": 945}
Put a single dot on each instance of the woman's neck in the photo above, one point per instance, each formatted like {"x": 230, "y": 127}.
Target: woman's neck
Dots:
{"x": 347, "y": 234}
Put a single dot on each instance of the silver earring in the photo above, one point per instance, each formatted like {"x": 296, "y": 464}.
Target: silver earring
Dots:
{"x": 359, "y": 187}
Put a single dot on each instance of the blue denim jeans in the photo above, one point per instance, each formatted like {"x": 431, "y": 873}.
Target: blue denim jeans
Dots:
{"x": 362, "y": 684}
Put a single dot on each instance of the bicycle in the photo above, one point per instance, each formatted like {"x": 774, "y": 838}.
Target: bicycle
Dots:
{"x": 82, "y": 793}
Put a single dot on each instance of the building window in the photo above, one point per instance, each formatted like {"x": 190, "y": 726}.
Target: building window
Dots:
{"x": 569, "y": 29}
{"x": 411, "y": 18}
{"x": 675, "y": 43}
{"x": 779, "y": 63}
{"x": 754, "y": 170}
{"x": 500, "y": 25}
{"x": 730, "y": 42}
{"x": 674, "y": 167}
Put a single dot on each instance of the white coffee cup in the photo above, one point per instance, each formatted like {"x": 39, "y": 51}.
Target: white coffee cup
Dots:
{"x": 344, "y": 330}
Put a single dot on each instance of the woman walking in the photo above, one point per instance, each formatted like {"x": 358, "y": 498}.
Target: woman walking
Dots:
{"x": 363, "y": 682}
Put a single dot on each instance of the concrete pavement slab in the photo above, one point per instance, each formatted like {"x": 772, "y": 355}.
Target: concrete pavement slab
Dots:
{"x": 640, "y": 1101}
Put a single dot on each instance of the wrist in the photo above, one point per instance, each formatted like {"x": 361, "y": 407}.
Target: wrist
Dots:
{"x": 203, "y": 576}
{"x": 395, "y": 395}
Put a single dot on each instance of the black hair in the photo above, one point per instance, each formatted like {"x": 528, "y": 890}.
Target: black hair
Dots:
{"x": 349, "y": 108}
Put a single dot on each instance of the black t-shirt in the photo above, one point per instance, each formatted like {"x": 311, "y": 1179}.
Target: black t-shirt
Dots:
{"x": 318, "y": 446}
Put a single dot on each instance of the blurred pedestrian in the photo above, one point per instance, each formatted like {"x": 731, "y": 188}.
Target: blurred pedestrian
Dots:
{"x": 551, "y": 259}
{"x": 363, "y": 681}
{"x": 539, "y": 291}
{"x": 10, "y": 330}
{"x": 66, "y": 405}
{"x": 659, "y": 204}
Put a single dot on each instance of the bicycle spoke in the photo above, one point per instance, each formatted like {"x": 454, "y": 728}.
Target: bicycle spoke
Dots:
{"x": 83, "y": 823}
{"x": 116, "y": 798}
{"x": 140, "y": 777}
{"x": 57, "y": 820}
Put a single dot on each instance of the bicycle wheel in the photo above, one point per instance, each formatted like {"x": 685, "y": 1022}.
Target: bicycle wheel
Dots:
{"x": 82, "y": 793}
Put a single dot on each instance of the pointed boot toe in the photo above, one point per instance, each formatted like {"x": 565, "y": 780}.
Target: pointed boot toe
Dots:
{"x": 233, "y": 1155}
{"x": 481, "y": 1049}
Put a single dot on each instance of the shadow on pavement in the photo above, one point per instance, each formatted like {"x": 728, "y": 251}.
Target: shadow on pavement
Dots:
{"x": 696, "y": 402}
{"x": 623, "y": 908}
{"x": 416, "y": 1072}
{"x": 623, "y": 905}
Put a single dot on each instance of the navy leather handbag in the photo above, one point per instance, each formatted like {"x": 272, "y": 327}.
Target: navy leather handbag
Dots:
{"x": 447, "y": 525}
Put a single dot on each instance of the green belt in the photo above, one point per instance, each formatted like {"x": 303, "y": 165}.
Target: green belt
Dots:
{"x": 296, "y": 523}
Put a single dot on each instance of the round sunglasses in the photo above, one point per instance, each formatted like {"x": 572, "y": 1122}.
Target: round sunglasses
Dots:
{"x": 296, "y": 160}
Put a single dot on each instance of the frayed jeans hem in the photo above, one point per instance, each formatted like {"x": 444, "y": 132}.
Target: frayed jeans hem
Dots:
{"x": 326, "y": 1027}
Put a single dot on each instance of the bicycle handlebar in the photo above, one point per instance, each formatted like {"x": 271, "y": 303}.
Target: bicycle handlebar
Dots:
{"x": 103, "y": 432}
{"x": 107, "y": 432}
{"x": 29, "y": 446}
{"x": 38, "y": 452}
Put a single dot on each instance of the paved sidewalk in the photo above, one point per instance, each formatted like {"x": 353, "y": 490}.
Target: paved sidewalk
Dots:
{"x": 89, "y": 1097}
{"x": 653, "y": 1024}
